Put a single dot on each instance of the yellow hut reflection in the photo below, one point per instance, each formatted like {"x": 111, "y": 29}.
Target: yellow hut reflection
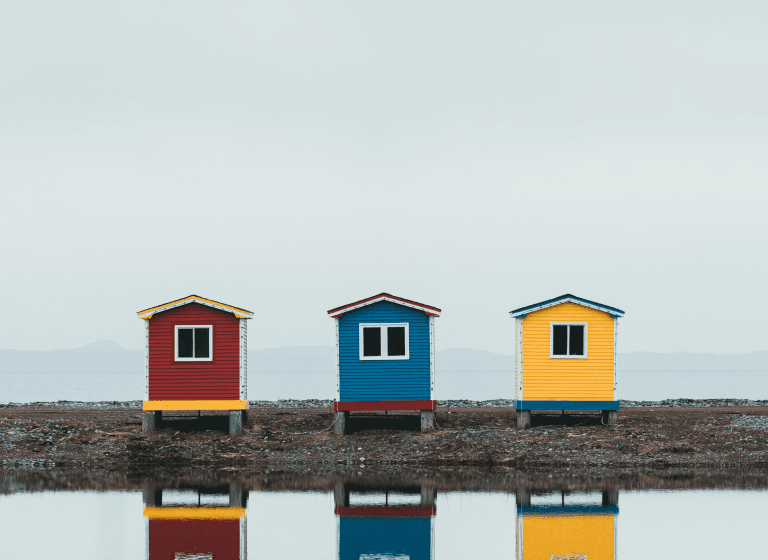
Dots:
{"x": 195, "y": 522}
{"x": 578, "y": 530}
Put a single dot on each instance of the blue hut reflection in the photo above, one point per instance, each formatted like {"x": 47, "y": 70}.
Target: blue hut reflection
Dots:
{"x": 580, "y": 529}
{"x": 385, "y": 522}
{"x": 195, "y": 522}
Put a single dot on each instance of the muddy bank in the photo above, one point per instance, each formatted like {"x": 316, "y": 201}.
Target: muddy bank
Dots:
{"x": 327, "y": 403}
{"x": 281, "y": 438}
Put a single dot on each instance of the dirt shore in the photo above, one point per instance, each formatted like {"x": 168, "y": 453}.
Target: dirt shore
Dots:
{"x": 34, "y": 437}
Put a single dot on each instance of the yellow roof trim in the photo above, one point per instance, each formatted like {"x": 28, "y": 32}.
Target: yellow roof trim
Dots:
{"x": 194, "y": 512}
{"x": 240, "y": 313}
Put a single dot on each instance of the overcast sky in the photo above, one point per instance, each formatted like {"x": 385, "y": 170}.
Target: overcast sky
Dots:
{"x": 289, "y": 157}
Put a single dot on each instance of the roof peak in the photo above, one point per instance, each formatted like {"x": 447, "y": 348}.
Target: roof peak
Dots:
{"x": 566, "y": 298}
{"x": 239, "y": 312}
{"x": 384, "y": 296}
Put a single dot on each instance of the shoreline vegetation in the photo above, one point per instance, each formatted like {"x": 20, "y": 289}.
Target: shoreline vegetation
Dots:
{"x": 295, "y": 436}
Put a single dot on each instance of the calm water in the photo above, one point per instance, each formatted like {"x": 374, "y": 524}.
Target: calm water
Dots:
{"x": 473, "y": 385}
{"x": 361, "y": 518}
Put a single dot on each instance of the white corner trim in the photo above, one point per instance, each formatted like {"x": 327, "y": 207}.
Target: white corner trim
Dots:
{"x": 431, "y": 358}
{"x": 176, "y": 343}
{"x": 519, "y": 355}
{"x": 561, "y": 301}
{"x": 384, "y": 298}
{"x": 615, "y": 369}
{"x": 146, "y": 359}
{"x": 384, "y": 348}
{"x": 243, "y": 359}
{"x": 568, "y": 356}
{"x": 338, "y": 363}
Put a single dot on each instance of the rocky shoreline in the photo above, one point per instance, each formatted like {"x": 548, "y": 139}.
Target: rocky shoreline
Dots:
{"x": 454, "y": 403}
{"x": 296, "y": 435}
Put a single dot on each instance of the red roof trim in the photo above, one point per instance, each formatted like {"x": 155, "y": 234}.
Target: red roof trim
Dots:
{"x": 383, "y": 295}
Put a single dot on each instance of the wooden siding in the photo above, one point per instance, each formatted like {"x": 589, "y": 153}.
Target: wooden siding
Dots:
{"x": 384, "y": 380}
{"x": 561, "y": 536}
{"x": 169, "y": 537}
{"x": 218, "y": 379}
{"x": 549, "y": 379}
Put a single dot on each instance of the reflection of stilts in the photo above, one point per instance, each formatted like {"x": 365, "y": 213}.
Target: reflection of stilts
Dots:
{"x": 195, "y": 521}
{"x": 574, "y": 530}
{"x": 384, "y": 521}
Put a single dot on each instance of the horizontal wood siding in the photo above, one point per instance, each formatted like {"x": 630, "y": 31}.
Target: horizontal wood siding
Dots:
{"x": 384, "y": 380}
{"x": 550, "y": 379}
{"x": 218, "y": 379}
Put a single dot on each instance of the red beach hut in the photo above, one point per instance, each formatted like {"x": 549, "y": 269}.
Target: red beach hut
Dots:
{"x": 196, "y": 359}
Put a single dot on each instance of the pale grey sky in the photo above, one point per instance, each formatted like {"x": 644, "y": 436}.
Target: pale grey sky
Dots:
{"x": 290, "y": 157}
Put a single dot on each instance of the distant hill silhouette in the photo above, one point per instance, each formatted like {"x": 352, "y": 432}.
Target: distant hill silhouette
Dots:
{"x": 108, "y": 356}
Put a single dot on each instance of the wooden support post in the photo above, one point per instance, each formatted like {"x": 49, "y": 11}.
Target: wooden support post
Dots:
{"x": 340, "y": 423}
{"x": 338, "y": 494}
{"x": 610, "y": 497}
{"x": 149, "y": 420}
{"x": 523, "y": 419}
{"x": 148, "y": 494}
{"x": 235, "y": 422}
{"x": 610, "y": 417}
{"x": 236, "y": 495}
{"x": 523, "y": 496}
{"x": 427, "y": 420}
{"x": 428, "y": 497}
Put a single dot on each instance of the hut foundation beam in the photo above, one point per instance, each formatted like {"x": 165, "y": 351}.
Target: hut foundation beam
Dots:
{"x": 427, "y": 420}
{"x": 610, "y": 417}
{"x": 340, "y": 423}
{"x": 523, "y": 419}
{"x": 235, "y": 422}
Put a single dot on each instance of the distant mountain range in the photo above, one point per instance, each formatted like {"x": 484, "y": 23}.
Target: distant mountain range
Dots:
{"x": 107, "y": 356}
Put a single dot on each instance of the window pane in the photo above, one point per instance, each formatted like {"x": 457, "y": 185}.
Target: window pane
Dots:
{"x": 577, "y": 340}
{"x": 371, "y": 341}
{"x": 559, "y": 340}
{"x": 201, "y": 343}
{"x": 185, "y": 343}
{"x": 396, "y": 341}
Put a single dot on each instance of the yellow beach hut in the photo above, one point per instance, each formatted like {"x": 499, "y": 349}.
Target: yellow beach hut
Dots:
{"x": 565, "y": 357}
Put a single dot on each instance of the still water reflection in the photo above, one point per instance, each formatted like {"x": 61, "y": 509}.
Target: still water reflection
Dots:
{"x": 370, "y": 518}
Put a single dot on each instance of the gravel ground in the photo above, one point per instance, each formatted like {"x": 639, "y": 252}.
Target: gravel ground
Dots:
{"x": 455, "y": 403}
{"x": 751, "y": 422}
{"x": 44, "y": 437}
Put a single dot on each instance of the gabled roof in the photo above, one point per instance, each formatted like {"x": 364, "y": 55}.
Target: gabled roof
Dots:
{"x": 567, "y": 298}
{"x": 239, "y": 313}
{"x": 428, "y": 309}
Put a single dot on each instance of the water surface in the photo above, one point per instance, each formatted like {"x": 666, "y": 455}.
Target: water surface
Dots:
{"x": 361, "y": 517}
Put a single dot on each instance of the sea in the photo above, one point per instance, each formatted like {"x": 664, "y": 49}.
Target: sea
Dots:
{"x": 28, "y": 387}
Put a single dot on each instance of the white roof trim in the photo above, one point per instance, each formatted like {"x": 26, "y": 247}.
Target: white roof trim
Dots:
{"x": 385, "y": 298}
{"x": 525, "y": 312}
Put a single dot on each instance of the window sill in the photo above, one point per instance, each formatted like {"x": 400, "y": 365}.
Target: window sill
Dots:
{"x": 382, "y": 359}
{"x": 193, "y": 359}
{"x": 568, "y": 357}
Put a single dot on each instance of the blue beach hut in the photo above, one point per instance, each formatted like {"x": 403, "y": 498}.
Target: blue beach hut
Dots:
{"x": 394, "y": 526}
{"x": 385, "y": 357}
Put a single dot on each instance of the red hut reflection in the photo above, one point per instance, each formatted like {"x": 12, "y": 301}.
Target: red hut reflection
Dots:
{"x": 200, "y": 522}
{"x": 385, "y": 522}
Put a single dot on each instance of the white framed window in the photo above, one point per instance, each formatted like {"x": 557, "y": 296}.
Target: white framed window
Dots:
{"x": 384, "y": 341}
{"x": 193, "y": 343}
{"x": 568, "y": 340}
